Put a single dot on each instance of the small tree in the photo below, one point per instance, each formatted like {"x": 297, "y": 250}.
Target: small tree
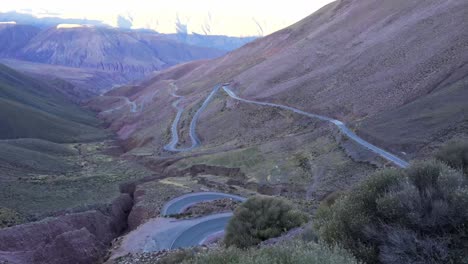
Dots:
{"x": 261, "y": 218}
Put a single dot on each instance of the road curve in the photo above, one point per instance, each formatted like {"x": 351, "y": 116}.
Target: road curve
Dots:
{"x": 341, "y": 126}
{"x": 179, "y": 204}
{"x": 172, "y": 146}
{"x": 202, "y": 228}
{"x": 199, "y": 233}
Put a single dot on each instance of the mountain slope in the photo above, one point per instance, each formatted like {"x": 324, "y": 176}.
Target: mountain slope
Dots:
{"x": 110, "y": 50}
{"x": 54, "y": 155}
{"x": 14, "y": 37}
{"x": 83, "y": 83}
{"x": 353, "y": 61}
{"x": 33, "y": 109}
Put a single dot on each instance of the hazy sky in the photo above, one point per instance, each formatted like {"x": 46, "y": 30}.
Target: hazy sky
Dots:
{"x": 235, "y": 17}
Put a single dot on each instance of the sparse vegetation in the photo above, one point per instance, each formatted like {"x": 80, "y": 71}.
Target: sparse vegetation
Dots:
{"x": 417, "y": 215}
{"x": 455, "y": 154}
{"x": 261, "y": 218}
{"x": 290, "y": 253}
{"x": 37, "y": 183}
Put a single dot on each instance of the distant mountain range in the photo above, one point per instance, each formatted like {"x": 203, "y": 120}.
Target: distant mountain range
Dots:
{"x": 132, "y": 54}
{"x": 100, "y": 48}
{"x": 225, "y": 43}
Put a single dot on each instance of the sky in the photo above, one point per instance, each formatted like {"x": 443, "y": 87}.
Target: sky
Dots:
{"x": 213, "y": 17}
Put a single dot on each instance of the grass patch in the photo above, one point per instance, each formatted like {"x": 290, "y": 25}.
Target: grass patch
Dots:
{"x": 36, "y": 194}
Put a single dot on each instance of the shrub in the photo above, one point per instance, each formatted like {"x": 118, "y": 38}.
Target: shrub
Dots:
{"x": 290, "y": 253}
{"x": 9, "y": 217}
{"x": 455, "y": 154}
{"x": 260, "y": 218}
{"x": 418, "y": 215}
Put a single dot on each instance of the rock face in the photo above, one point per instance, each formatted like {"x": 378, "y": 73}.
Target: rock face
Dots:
{"x": 73, "y": 238}
{"x": 98, "y": 48}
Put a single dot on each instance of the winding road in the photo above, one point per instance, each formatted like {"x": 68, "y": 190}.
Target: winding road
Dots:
{"x": 179, "y": 204}
{"x": 341, "y": 126}
{"x": 172, "y": 146}
{"x": 208, "y": 226}
{"x": 163, "y": 233}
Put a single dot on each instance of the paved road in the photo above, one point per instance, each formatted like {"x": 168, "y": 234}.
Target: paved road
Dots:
{"x": 168, "y": 233}
{"x": 172, "y": 146}
{"x": 177, "y": 205}
{"x": 163, "y": 233}
{"x": 199, "y": 233}
{"x": 341, "y": 126}
{"x": 202, "y": 228}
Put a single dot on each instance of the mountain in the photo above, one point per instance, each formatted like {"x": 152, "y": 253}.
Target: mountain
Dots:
{"x": 93, "y": 59}
{"x": 376, "y": 66}
{"x": 14, "y": 37}
{"x": 109, "y": 49}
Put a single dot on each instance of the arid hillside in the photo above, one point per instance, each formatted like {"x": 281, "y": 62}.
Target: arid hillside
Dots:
{"x": 374, "y": 65}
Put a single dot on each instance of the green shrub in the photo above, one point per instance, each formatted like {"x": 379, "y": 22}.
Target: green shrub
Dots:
{"x": 418, "y": 215}
{"x": 9, "y": 217}
{"x": 291, "y": 253}
{"x": 260, "y": 218}
{"x": 455, "y": 154}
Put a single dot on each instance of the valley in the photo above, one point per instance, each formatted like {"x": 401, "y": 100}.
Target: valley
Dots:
{"x": 130, "y": 146}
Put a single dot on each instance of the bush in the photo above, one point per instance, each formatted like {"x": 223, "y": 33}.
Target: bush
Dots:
{"x": 418, "y": 215}
{"x": 455, "y": 154}
{"x": 260, "y": 218}
{"x": 9, "y": 217}
{"x": 291, "y": 253}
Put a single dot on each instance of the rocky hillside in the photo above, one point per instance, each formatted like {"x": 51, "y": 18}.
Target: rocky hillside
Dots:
{"x": 14, "y": 37}
{"x": 109, "y": 49}
{"x": 385, "y": 68}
